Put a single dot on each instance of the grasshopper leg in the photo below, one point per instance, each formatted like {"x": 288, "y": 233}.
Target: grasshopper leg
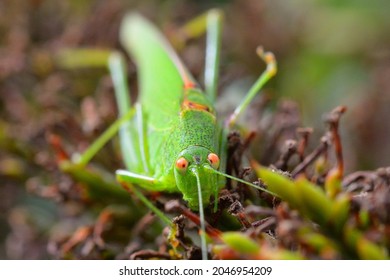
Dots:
{"x": 269, "y": 72}
{"x": 213, "y": 47}
{"x": 133, "y": 142}
{"x": 126, "y": 179}
{"x": 148, "y": 183}
{"x": 211, "y": 23}
{"x": 142, "y": 139}
{"x": 132, "y": 133}
{"x": 128, "y": 131}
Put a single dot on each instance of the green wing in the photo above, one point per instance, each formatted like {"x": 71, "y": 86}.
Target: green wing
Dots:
{"x": 162, "y": 76}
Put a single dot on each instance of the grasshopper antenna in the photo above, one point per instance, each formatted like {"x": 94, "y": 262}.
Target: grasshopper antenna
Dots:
{"x": 240, "y": 180}
{"x": 201, "y": 215}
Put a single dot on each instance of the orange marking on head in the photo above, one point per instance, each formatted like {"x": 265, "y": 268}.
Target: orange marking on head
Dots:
{"x": 189, "y": 84}
{"x": 195, "y": 106}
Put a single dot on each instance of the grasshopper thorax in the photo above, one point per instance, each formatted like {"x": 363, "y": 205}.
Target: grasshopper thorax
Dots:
{"x": 192, "y": 167}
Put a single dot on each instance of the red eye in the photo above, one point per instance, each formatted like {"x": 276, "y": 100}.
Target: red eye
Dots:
{"x": 214, "y": 160}
{"x": 182, "y": 164}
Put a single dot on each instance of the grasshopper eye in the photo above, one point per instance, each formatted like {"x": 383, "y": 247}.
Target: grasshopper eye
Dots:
{"x": 182, "y": 164}
{"x": 214, "y": 160}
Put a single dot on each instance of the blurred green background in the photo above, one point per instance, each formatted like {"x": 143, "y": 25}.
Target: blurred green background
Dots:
{"x": 329, "y": 53}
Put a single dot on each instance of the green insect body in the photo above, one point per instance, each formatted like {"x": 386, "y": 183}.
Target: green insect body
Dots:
{"x": 178, "y": 132}
{"x": 171, "y": 139}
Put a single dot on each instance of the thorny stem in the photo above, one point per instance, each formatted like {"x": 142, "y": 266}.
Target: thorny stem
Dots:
{"x": 333, "y": 119}
{"x": 283, "y": 122}
{"x": 80, "y": 235}
{"x": 304, "y": 134}
{"x": 289, "y": 149}
{"x": 149, "y": 254}
{"x": 368, "y": 177}
{"x": 248, "y": 140}
{"x": 237, "y": 210}
{"x": 104, "y": 218}
{"x": 265, "y": 224}
{"x": 176, "y": 206}
{"x": 55, "y": 141}
{"x": 179, "y": 222}
{"x": 384, "y": 173}
{"x": 234, "y": 155}
{"x": 143, "y": 223}
{"x": 322, "y": 148}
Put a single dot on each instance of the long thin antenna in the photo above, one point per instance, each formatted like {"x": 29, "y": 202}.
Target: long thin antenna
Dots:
{"x": 240, "y": 180}
{"x": 201, "y": 215}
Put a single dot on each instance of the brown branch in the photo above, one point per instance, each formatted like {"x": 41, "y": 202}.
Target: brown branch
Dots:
{"x": 333, "y": 119}
{"x": 321, "y": 149}
{"x": 288, "y": 150}
{"x": 304, "y": 133}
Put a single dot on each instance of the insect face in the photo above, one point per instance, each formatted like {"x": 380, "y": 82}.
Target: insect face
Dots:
{"x": 196, "y": 161}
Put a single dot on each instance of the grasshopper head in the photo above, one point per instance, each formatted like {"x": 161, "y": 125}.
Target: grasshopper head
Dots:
{"x": 192, "y": 173}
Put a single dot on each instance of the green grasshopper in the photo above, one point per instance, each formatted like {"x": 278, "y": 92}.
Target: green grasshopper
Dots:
{"x": 171, "y": 139}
